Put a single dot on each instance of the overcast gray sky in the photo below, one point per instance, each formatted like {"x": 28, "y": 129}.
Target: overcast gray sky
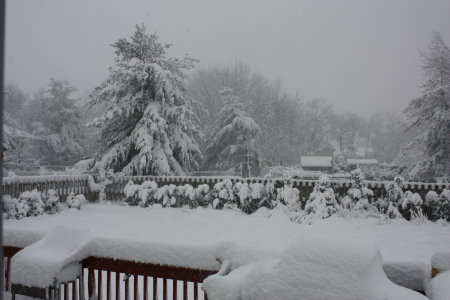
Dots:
{"x": 362, "y": 56}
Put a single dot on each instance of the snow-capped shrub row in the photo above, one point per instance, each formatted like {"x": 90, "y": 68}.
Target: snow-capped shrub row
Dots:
{"x": 322, "y": 202}
{"x": 35, "y": 203}
{"x": 224, "y": 194}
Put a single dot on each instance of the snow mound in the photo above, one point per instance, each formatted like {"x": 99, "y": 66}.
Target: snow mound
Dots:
{"x": 40, "y": 264}
{"x": 313, "y": 267}
{"x": 439, "y": 287}
{"x": 441, "y": 260}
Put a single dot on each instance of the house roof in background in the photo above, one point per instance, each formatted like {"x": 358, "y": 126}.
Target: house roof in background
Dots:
{"x": 315, "y": 161}
{"x": 361, "y": 161}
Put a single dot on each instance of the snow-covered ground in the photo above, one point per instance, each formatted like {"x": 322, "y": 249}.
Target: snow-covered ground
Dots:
{"x": 198, "y": 238}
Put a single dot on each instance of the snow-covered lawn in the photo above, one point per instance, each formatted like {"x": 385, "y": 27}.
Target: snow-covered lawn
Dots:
{"x": 198, "y": 238}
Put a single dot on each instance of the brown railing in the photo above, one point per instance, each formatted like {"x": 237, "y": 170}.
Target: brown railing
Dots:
{"x": 122, "y": 279}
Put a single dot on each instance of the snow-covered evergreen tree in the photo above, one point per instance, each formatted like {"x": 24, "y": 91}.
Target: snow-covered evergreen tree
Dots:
{"x": 358, "y": 195}
{"x": 149, "y": 127}
{"x": 431, "y": 112}
{"x": 54, "y": 117}
{"x": 338, "y": 162}
{"x": 322, "y": 201}
{"x": 230, "y": 144}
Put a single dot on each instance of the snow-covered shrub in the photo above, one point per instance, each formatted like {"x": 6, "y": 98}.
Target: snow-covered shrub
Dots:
{"x": 165, "y": 195}
{"x": 203, "y": 196}
{"x": 147, "y": 192}
{"x": 321, "y": 203}
{"x": 243, "y": 192}
{"x": 411, "y": 205}
{"x": 187, "y": 196}
{"x": 34, "y": 201}
{"x": 437, "y": 206}
{"x": 73, "y": 201}
{"x": 52, "y": 204}
{"x": 18, "y": 209}
{"x": 261, "y": 194}
{"x": 358, "y": 196}
{"x": 223, "y": 194}
{"x": 131, "y": 193}
{"x": 289, "y": 197}
{"x": 394, "y": 198}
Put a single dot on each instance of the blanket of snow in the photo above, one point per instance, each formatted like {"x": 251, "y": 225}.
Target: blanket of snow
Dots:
{"x": 313, "y": 267}
{"x": 202, "y": 238}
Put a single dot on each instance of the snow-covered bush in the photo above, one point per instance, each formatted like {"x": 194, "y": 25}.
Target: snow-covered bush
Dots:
{"x": 223, "y": 194}
{"x": 437, "y": 206}
{"x": 289, "y": 198}
{"x": 202, "y": 195}
{"x": 394, "y": 198}
{"x": 321, "y": 203}
{"x": 17, "y": 209}
{"x": 358, "y": 196}
{"x": 166, "y": 195}
{"x": 34, "y": 201}
{"x": 243, "y": 192}
{"x": 131, "y": 193}
{"x": 52, "y": 203}
{"x": 411, "y": 205}
{"x": 75, "y": 201}
{"x": 187, "y": 196}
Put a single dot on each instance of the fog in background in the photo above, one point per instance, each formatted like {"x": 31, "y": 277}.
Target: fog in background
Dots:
{"x": 362, "y": 56}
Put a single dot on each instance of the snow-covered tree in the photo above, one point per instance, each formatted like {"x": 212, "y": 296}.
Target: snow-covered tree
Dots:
{"x": 431, "y": 111}
{"x": 149, "y": 126}
{"x": 358, "y": 195}
{"x": 231, "y": 144}
{"x": 338, "y": 162}
{"x": 54, "y": 117}
{"x": 321, "y": 203}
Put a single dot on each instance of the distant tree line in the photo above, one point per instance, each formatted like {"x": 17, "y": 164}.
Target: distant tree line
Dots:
{"x": 148, "y": 117}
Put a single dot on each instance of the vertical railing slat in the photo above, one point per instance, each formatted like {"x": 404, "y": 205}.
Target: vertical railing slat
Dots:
{"x": 165, "y": 288}
{"x": 195, "y": 291}
{"x": 117, "y": 286}
{"x": 136, "y": 287}
{"x": 99, "y": 285}
{"x": 155, "y": 288}
{"x": 108, "y": 285}
{"x": 185, "y": 290}
{"x": 145, "y": 288}
{"x": 174, "y": 292}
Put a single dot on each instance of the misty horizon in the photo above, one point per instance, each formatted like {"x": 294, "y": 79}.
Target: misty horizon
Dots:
{"x": 307, "y": 46}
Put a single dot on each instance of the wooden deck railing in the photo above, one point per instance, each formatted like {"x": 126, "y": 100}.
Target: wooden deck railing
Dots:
{"x": 112, "y": 279}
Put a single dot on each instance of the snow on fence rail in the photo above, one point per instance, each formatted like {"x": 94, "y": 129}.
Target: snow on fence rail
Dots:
{"x": 123, "y": 279}
{"x": 65, "y": 184}
{"x": 62, "y": 184}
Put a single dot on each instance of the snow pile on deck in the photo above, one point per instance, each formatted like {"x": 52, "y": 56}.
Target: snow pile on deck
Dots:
{"x": 312, "y": 267}
{"x": 56, "y": 254}
{"x": 439, "y": 287}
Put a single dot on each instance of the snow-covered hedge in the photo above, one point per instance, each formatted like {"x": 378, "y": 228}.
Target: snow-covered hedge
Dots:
{"x": 35, "y": 203}
{"x": 322, "y": 202}
{"x": 244, "y": 196}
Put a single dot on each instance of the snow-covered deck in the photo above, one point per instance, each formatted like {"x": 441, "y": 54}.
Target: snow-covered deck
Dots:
{"x": 198, "y": 238}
